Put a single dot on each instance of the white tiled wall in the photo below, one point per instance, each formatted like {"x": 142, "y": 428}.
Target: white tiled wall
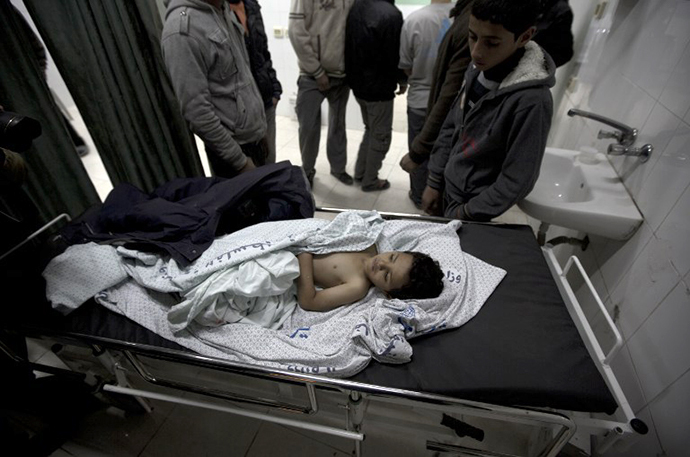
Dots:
{"x": 640, "y": 75}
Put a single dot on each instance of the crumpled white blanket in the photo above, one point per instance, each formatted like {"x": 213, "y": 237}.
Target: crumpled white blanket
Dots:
{"x": 336, "y": 343}
{"x": 260, "y": 291}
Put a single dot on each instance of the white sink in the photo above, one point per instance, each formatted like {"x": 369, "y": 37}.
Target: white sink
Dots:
{"x": 583, "y": 194}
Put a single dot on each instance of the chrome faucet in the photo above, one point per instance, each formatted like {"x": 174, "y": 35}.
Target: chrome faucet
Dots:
{"x": 619, "y": 150}
{"x": 625, "y": 135}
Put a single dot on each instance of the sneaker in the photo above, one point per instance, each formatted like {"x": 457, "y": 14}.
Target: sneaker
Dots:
{"x": 344, "y": 178}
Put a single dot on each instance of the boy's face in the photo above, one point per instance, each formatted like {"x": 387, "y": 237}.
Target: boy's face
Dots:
{"x": 491, "y": 44}
{"x": 390, "y": 270}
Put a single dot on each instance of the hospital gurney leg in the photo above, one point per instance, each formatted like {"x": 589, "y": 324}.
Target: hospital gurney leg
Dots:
{"x": 355, "y": 416}
{"x": 116, "y": 368}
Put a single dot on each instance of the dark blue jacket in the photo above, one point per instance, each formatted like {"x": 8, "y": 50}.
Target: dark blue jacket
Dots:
{"x": 182, "y": 217}
{"x": 259, "y": 55}
{"x": 372, "y": 49}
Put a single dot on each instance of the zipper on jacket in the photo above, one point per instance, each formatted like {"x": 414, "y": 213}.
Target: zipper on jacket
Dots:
{"x": 463, "y": 94}
{"x": 497, "y": 112}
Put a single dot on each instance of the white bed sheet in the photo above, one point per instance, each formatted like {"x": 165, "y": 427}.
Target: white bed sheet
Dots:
{"x": 336, "y": 343}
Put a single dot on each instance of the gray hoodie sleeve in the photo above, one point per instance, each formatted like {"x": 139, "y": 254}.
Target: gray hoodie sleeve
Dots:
{"x": 298, "y": 31}
{"x": 188, "y": 71}
{"x": 520, "y": 170}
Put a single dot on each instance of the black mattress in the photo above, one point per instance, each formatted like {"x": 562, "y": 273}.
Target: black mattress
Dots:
{"x": 521, "y": 349}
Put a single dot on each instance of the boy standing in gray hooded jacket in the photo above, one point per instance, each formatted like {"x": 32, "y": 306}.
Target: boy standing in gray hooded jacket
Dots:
{"x": 488, "y": 154}
{"x": 204, "y": 52}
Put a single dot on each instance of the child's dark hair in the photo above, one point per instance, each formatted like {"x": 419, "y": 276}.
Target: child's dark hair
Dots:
{"x": 426, "y": 279}
{"x": 515, "y": 16}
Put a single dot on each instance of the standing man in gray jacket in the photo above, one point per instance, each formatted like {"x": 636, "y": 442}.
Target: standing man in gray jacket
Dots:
{"x": 317, "y": 34}
{"x": 204, "y": 52}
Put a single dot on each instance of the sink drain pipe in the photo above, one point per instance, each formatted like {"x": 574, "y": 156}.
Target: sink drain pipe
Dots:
{"x": 541, "y": 238}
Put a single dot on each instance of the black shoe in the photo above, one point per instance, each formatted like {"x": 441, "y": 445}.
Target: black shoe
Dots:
{"x": 381, "y": 184}
{"x": 416, "y": 205}
{"x": 310, "y": 178}
{"x": 344, "y": 178}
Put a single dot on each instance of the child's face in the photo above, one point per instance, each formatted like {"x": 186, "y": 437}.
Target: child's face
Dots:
{"x": 491, "y": 44}
{"x": 390, "y": 270}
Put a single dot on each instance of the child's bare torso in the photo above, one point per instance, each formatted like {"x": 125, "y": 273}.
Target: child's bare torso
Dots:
{"x": 332, "y": 270}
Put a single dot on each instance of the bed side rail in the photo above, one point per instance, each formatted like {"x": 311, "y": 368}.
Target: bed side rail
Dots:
{"x": 612, "y": 431}
{"x": 311, "y": 408}
{"x": 62, "y": 216}
{"x": 237, "y": 411}
{"x": 604, "y": 357}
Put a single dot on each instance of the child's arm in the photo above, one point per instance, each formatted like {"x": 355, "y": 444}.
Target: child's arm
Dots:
{"x": 327, "y": 299}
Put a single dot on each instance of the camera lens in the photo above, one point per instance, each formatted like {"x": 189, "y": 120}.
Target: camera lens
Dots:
{"x": 17, "y": 131}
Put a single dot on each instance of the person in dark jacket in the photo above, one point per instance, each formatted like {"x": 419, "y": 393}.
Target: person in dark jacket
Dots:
{"x": 261, "y": 65}
{"x": 207, "y": 60}
{"x": 372, "y": 45}
{"x": 449, "y": 70}
{"x": 554, "y": 30}
{"x": 42, "y": 58}
{"x": 489, "y": 151}
{"x": 553, "y": 34}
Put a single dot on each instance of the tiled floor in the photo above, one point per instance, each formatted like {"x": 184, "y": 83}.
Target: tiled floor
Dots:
{"x": 176, "y": 430}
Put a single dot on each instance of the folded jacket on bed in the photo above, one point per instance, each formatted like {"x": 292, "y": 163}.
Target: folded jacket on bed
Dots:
{"x": 339, "y": 342}
{"x": 182, "y": 217}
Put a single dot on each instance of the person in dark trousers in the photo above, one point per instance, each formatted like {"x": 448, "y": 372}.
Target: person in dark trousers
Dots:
{"x": 422, "y": 34}
{"x": 372, "y": 46}
{"x": 317, "y": 34}
{"x": 36, "y": 414}
{"x": 489, "y": 151}
{"x": 553, "y": 34}
{"x": 448, "y": 73}
{"x": 206, "y": 57}
{"x": 249, "y": 12}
